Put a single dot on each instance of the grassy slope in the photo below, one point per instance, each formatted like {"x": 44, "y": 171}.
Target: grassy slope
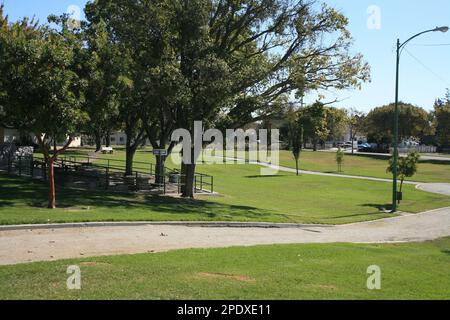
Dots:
{"x": 245, "y": 196}
{"x": 331, "y": 271}
{"x": 360, "y": 165}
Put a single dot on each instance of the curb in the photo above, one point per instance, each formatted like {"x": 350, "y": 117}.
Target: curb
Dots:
{"x": 201, "y": 224}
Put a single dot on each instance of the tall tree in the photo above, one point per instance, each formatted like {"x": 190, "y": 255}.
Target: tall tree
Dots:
{"x": 41, "y": 90}
{"x": 136, "y": 27}
{"x": 337, "y": 121}
{"x": 356, "y": 121}
{"x": 260, "y": 60}
{"x": 121, "y": 27}
{"x": 295, "y": 135}
{"x": 231, "y": 61}
{"x": 442, "y": 121}
{"x": 314, "y": 119}
{"x": 413, "y": 122}
{"x": 103, "y": 70}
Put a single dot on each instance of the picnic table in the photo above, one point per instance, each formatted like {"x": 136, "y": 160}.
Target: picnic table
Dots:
{"x": 106, "y": 150}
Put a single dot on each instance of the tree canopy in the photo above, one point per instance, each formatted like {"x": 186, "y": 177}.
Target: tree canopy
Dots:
{"x": 413, "y": 122}
{"x": 41, "y": 90}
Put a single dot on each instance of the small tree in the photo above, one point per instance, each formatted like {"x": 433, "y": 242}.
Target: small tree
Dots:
{"x": 295, "y": 128}
{"x": 41, "y": 90}
{"x": 340, "y": 159}
{"x": 406, "y": 167}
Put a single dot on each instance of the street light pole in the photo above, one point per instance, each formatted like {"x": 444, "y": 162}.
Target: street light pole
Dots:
{"x": 400, "y": 46}
{"x": 396, "y": 116}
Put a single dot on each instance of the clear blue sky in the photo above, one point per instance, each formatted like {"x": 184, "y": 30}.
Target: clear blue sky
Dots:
{"x": 420, "y": 84}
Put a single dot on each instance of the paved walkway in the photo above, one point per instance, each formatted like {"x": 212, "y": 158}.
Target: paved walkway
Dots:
{"x": 440, "y": 188}
{"x": 316, "y": 173}
{"x": 388, "y": 155}
{"x": 22, "y": 246}
{"x": 30, "y": 244}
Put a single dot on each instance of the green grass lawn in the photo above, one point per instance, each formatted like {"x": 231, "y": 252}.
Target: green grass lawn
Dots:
{"x": 312, "y": 271}
{"x": 244, "y": 196}
{"x": 358, "y": 165}
{"x": 365, "y": 165}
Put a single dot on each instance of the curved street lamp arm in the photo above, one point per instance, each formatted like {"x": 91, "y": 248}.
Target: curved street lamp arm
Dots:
{"x": 413, "y": 37}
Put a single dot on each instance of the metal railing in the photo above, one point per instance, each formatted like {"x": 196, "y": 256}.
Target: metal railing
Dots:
{"x": 107, "y": 174}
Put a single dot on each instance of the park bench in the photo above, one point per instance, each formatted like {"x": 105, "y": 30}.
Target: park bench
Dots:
{"x": 106, "y": 150}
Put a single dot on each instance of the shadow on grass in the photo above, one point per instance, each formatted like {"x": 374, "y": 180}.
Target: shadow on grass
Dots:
{"x": 382, "y": 208}
{"x": 6, "y": 203}
{"x": 384, "y": 157}
{"x": 25, "y": 191}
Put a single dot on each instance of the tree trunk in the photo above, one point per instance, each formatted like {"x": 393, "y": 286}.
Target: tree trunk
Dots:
{"x": 188, "y": 176}
{"x": 130, "y": 152}
{"x": 98, "y": 142}
{"x": 352, "y": 138}
{"x": 159, "y": 172}
{"x": 296, "y": 166}
{"x": 51, "y": 185}
{"x": 314, "y": 144}
{"x": 108, "y": 139}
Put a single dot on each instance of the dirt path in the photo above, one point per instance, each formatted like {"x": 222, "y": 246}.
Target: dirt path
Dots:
{"x": 24, "y": 246}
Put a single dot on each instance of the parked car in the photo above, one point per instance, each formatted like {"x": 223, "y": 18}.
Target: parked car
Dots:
{"x": 344, "y": 145}
{"x": 365, "y": 147}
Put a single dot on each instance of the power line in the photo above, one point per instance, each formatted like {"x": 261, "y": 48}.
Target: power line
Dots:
{"x": 427, "y": 68}
{"x": 432, "y": 45}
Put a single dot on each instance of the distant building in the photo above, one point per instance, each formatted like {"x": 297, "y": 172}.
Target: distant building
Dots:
{"x": 118, "y": 139}
{"x": 9, "y": 135}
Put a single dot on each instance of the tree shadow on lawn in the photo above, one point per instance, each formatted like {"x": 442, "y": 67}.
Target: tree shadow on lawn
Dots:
{"x": 25, "y": 191}
{"x": 379, "y": 207}
{"x": 383, "y": 157}
{"x": 6, "y": 203}
{"x": 374, "y": 215}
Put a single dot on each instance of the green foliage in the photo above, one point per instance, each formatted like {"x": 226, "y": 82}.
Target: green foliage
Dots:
{"x": 356, "y": 123}
{"x": 406, "y": 167}
{"x": 314, "y": 120}
{"x": 104, "y": 63}
{"x": 41, "y": 90}
{"x": 442, "y": 121}
{"x": 295, "y": 135}
{"x": 413, "y": 122}
{"x": 337, "y": 122}
{"x": 228, "y": 63}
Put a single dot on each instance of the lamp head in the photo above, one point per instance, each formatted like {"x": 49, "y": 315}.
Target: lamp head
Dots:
{"x": 441, "y": 29}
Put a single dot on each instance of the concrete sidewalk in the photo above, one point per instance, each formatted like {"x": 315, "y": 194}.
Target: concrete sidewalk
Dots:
{"x": 30, "y": 245}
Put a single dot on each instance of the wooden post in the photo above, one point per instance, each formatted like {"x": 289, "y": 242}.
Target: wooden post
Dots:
{"x": 107, "y": 178}
{"x": 32, "y": 167}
